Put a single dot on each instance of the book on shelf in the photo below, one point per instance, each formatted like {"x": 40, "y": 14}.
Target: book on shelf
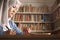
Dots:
{"x": 54, "y": 6}
{"x": 57, "y": 2}
{"x": 57, "y": 14}
{"x": 43, "y": 18}
{"x": 57, "y": 24}
{"x": 26, "y": 8}
{"x": 39, "y": 18}
{"x": 39, "y": 9}
{"x": 46, "y": 9}
{"x": 39, "y": 27}
{"x": 54, "y": 16}
{"x": 34, "y": 9}
{"x": 21, "y": 17}
{"x": 46, "y": 18}
{"x": 34, "y": 18}
{"x": 21, "y": 9}
{"x": 35, "y": 26}
{"x": 32, "y": 26}
{"x": 18, "y": 17}
{"x": 30, "y": 8}
{"x": 27, "y": 17}
{"x": 46, "y": 26}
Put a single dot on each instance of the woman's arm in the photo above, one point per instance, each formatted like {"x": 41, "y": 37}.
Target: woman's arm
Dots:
{"x": 14, "y": 27}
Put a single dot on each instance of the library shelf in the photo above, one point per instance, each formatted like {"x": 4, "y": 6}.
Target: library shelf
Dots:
{"x": 57, "y": 7}
{"x": 56, "y": 20}
{"x": 40, "y": 31}
{"x": 25, "y": 13}
{"x": 30, "y": 22}
{"x": 56, "y": 29}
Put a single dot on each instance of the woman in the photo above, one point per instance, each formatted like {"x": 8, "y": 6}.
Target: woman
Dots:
{"x": 13, "y": 7}
{"x": 11, "y": 11}
{"x": 7, "y": 9}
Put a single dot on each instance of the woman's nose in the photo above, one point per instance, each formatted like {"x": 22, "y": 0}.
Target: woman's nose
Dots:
{"x": 13, "y": 11}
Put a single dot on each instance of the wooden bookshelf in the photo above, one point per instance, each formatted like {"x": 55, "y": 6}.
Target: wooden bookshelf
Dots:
{"x": 42, "y": 31}
{"x": 39, "y": 19}
{"x": 56, "y": 13}
{"x": 55, "y": 9}
{"x": 56, "y": 17}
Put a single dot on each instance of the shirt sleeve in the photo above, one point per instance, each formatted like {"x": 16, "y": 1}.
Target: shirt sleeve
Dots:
{"x": 14, "y": 27}
{"x": 1, "y": 30}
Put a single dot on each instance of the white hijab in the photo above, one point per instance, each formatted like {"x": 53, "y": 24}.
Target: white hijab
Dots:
{"x": 3, "y": 12}
{"x": 4, "y": 5}
{"x": 1, "y": 7}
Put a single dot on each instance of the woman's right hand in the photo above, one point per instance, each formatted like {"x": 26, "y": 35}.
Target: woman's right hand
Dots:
{"x": 10, "y": 32}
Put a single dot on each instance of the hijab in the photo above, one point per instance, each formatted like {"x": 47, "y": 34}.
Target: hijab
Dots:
{"x": 4, "y": 5}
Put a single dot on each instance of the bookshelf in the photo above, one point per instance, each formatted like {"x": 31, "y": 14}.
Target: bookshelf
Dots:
{"x": 56, "y": 15}
{"x": 38, "y": 19}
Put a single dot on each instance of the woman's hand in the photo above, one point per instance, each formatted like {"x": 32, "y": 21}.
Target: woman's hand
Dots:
{"x": 10, "y": 32}
{"x": 26, "y": 30}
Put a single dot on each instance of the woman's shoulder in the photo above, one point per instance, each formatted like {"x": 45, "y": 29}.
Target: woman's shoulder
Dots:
{"x": 11, "y": 21}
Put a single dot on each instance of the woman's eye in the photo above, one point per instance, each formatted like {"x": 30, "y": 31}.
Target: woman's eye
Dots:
{"x": 14, "y": 6}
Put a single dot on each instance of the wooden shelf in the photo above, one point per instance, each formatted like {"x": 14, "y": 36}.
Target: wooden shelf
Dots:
{"x": 38, "y": 31}
{"x": 30, "y": 22}
{"x": 58, "y": 6}
{"x": 30, "y": 37}
{"x": 31, "y": 13}
{"x": 57, "y": 29}
{"x": 56, "y": 20}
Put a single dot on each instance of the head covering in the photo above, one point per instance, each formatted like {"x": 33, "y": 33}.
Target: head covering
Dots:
{"x": 4, "y": 5}
{"x": 3, "y": 11}
{"x": 1, "y": 5}
{"x": 13, "y": 3}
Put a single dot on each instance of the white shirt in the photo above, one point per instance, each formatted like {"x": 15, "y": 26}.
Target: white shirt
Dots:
{"x": 5, "y": 28}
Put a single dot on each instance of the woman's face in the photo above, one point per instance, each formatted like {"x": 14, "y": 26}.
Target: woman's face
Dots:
{"x": 12, "y": 10}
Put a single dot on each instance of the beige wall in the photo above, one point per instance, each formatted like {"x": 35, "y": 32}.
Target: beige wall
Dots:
{"x": 38, "y": 2}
